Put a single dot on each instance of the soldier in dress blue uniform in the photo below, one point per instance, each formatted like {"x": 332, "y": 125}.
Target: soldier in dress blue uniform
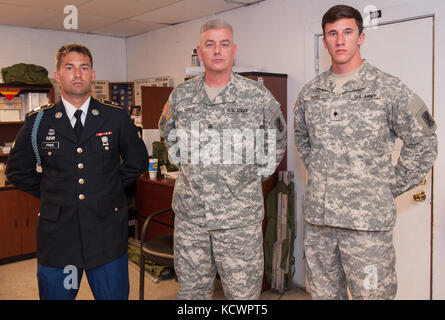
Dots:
{"x": 89, "y": 151}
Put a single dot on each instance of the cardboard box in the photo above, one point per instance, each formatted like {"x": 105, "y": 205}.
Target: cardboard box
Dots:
{"x": 5, "y": 149}
{"x": 14, "y": 104}
{"x": 9, "y": 115}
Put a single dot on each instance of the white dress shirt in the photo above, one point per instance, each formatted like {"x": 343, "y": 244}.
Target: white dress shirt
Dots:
{"x": 70, "y": 109}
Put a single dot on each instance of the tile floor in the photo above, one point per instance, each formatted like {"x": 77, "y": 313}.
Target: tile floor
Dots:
{"x": 18, "y": 281}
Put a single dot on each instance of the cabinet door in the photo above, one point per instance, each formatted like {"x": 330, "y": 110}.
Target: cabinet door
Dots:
{"x": 152, "y": 197}
{"x": 10, "y": 235}
{"x": 28, "y": 209}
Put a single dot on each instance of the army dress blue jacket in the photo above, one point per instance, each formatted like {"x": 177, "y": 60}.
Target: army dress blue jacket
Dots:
{"x": 83, "y": 208}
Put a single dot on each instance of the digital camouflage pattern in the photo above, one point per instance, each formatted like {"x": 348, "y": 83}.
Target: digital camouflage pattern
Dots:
{"x": 346, "y": 136}
{"x": 337, "y": 259}
{"x": 236, "y": 254}
{"x": 214, "y": 193}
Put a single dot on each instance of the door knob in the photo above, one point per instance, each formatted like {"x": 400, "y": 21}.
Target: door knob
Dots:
{"x": 419, "y": 196}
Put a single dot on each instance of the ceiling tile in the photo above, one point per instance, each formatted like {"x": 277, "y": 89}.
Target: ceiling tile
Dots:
{"x": 127, "y": 28}
{"x": 24, "y": 16}
{"x": 186, "y": 10}
{"x": 243, "y": 1}
{"x": 44, "y": 4}
{"x": 86, "y": 23}
{"x": 111, "y": 17}
{"x": 122, "y": 9}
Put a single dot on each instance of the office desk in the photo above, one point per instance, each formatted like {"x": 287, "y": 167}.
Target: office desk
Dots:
{"x": 152, "y": 196}
{"x": 155, "y": 195}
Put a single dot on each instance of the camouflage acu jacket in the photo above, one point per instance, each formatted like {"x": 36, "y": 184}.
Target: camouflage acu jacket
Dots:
{"x": 217, "y": 146}
{"x": 345, "y": 137}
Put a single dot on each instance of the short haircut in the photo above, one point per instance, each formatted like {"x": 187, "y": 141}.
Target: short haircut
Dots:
{"x": 340, "y": 12}
{"x": 216, "y": 24}
{"x": 64, "y": 50}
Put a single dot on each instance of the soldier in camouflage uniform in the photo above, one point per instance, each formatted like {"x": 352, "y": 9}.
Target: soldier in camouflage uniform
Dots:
{"x": 219, "y": 203}
{"x": 346, "y": 122}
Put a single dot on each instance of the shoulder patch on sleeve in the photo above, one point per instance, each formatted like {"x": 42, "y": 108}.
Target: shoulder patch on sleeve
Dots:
{"x": 167, "y": 111}
{"x": 426, "y": 121}
{"x": 110, "y": 104}
{"x": 422, "y": 115}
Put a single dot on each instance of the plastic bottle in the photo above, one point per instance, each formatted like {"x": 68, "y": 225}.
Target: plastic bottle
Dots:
{"x": 195, "y": 59}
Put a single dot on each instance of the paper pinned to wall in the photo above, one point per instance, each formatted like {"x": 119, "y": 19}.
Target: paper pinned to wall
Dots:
{"x": 100, "y": 89}
{"x": 149, "y": 136}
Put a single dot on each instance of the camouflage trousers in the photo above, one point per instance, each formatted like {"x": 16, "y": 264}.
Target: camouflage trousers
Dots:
{"x": 338, "y": 259}
{"x": 236, "y": 254}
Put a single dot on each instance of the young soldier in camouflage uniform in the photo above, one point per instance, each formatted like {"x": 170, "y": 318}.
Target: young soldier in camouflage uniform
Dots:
{"x": 346, "y": 122}
{"x": 218, "y": 204}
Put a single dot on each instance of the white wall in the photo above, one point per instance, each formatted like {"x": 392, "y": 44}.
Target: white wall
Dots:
{"x": 278, "y": 36}
{"x": 28, "y": 45}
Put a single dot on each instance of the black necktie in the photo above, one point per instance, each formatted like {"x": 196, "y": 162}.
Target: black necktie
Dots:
{"x": 78, "y": 126}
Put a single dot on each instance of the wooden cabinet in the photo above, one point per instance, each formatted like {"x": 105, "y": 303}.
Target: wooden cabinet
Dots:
{"x": 18, "y": 210}
{"x": 18, "y": 222}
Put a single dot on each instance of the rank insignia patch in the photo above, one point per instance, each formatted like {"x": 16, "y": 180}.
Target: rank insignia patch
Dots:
{"x": 429, "y": 121}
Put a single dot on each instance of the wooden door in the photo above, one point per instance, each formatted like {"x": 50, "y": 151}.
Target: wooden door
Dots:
{"x": 153, "y": 101}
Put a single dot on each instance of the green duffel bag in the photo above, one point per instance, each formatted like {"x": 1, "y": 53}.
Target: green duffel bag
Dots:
{"x": 160, "y": 152}
{"x": 26, "y": 74}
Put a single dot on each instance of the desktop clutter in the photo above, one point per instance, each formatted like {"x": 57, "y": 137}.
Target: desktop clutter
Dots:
{"x": 159, "y": 165}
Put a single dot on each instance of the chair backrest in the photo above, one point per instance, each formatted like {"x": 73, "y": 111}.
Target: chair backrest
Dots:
{"x": 157, "y": 249}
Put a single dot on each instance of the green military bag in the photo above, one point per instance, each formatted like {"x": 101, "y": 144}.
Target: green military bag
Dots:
{"x": 160, "y": 152}
{"x": 26, "y": 74}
